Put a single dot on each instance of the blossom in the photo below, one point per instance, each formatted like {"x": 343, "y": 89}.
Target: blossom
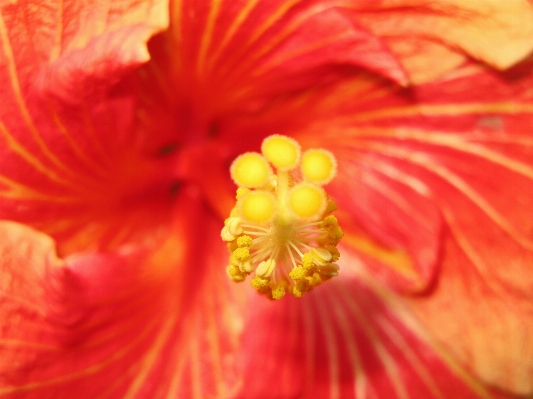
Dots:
{"x": 119, "y": 123}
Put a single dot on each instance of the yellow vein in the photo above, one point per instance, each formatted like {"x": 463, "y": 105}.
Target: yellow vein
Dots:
{"x": 212, "y": 340}
{"x": 455, "y": 142}
{"x": 207, "y": 35}
{"x": 393, "y": 302}
{"x": 90, "y": 370}
{"x": 331, "y": 348}
{"x": 460, "y": 184}
{"x": 237, "y": 22}
{"x": 254, "y": 56}
{"x": 360, "y": 380}
{"x": 151, "y": 357}
{"x": 274, "y": 17}
{"x": 444, "y": 110}
{"x": 309, "y": 47}
{"x": 386, "y": 359}
{"x": 73, "y": 145}
{"x": 176, "y": 22}
{"x": 475, "y": 258}
{"x": 411, "y": 356}
{"x": 17, "y": 148}
{"x": 15, "y": 85}
{"x": 59, "y": 32}
{"x": 310, "y": 345}
{"x": 196, "y": 381}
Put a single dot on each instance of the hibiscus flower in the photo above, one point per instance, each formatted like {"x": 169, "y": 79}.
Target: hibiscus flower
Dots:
{"x": 119, "y": 123}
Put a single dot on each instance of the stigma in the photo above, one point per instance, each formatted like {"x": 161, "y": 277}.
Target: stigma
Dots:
{"x": 282, "y": 232}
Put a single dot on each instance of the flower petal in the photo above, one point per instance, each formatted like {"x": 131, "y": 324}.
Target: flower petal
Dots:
{"x": 66, "y": 123}
{"x": 344, "y": 341}
{"x": 233, "y": 56}
{"x": 128, "y": 325}
{"x": 434, "y": 37}
{"x": 468, "y": 140}
{"x": 437, "y": 177}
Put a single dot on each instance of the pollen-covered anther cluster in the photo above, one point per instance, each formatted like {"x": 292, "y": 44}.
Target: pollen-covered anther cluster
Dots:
{"x": 281, "y": 229}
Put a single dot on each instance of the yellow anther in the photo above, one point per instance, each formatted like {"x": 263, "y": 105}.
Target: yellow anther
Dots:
{"x": 278, "y": 292}
{"x": 297, "y": 273}
{"x": 246, "y": 266}
{"x": 307, "y": 201}
{"x": 265, "y": 268}
{"x": 226, "y": 235}
{"x": 241, "y": 254}
{"x": 331, "y": 206}
{"x": 321, "y": 256}
{"x": 258, "y": 283}
{"x": 296, "y": 292}
{"x": 318, "y": 166}
{"x": 282, "y": 151}
{"x": 250, "y": 170}
{"x": 316, "y": 279}
{"x": 329, "y": 270}
{"x": 335, "y": 254}
{"x": 303, "y": 284}
{"x": 234, "y": 261}
{"x": 329, "y": 222}
{"x": 234, "y": 273}
{"x": 307, "y": 261}
{"x": 335, "y": 234}
{"x": 244, "y": 241}
{"x": 234, "y": 225}
{"x": 257, "y": 206}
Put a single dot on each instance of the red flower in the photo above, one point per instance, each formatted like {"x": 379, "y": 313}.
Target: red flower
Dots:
{"x": 114, "y": 185}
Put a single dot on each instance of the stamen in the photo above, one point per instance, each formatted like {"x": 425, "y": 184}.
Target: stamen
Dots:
{"x": 282, "y": 230}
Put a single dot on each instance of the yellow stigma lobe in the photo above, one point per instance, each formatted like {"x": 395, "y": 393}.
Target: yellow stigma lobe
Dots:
{"x": 318, "y": 166}
{"x": 250, "y": 170}
{"x": 307, "y": 201}
{"x": 281, "y": 230}
{"x": 283, "y": 152}
{"x": 257, "y": 207}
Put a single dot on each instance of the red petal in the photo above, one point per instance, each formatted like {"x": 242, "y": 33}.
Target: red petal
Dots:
{"x": 67, "y": 130}
{"x": 128, "y": 325}
{"x": 232, "y": 56}
{"x": 442, "y": 174}
{"x": 434, "y": 37}
{"x": 344, "y": 341}
{"x": 468, "y": 141}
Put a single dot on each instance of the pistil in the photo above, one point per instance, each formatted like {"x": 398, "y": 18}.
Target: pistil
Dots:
{"x": 282, "y": 230}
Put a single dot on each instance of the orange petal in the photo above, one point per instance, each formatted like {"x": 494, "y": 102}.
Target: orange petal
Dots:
{"x": 441, "y": 175}
{"x": 128, "y": 324}
{"x": 433, "y": 37}
{"x": 66, "y": 130}
{"x": 344, "y": 341}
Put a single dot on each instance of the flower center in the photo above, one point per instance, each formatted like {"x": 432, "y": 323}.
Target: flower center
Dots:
{"x": 281, "y": 228}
